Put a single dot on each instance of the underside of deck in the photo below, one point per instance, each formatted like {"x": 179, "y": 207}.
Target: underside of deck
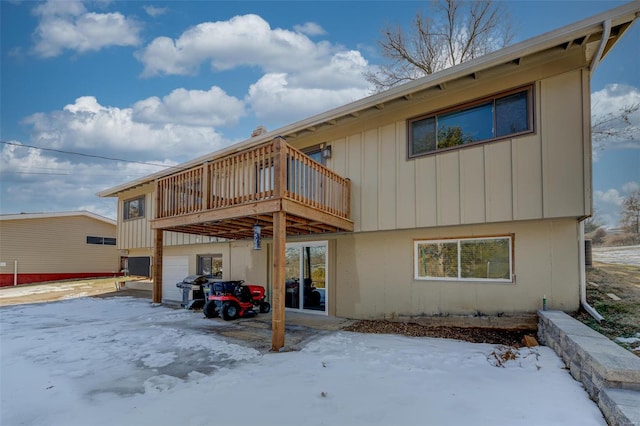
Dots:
{"x": 237, "y": 222}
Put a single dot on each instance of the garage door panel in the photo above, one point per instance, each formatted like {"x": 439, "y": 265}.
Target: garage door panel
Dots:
{"x": 174, "y": 270}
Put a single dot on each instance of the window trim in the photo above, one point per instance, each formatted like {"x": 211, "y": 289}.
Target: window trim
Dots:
{"x": 459, "y": 278}
{"x": 125, "y": 210}
{"x": 100, "y": 241}
{"x": 529, "y": 88}
{"x": 315, "y": 149}
{"x": 202, "y": 256}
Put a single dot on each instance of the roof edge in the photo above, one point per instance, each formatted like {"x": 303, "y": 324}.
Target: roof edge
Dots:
{"x": 628, "y": 12}
{"x": 44, "y": 215}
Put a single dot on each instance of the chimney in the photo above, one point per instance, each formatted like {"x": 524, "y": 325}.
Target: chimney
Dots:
{"x": 260, "y": 130}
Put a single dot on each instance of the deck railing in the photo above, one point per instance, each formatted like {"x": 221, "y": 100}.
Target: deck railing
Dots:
{"x": 270, "y": 171}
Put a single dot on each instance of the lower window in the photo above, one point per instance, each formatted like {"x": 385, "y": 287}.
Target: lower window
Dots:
{"x": 210, "y": 265}
{"x": 464, "y": 259}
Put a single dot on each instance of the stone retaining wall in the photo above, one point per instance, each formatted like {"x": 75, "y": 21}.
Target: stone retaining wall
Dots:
{"x": 609, "y": 373}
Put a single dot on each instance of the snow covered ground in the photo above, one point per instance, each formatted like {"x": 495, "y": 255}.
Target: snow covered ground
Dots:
{"x": 629, "y": 255}
{"x": 122, "y": 361}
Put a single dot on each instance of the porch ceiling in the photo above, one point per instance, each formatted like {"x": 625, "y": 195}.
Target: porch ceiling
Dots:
{"x": 237, "y": 222}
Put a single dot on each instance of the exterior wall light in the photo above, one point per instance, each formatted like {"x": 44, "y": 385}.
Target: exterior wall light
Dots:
{"x": 326, "y": 152}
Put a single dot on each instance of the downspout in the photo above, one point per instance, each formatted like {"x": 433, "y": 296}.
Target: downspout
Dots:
{"x": 583, "y": 280}
{"x": 606, "y": 32}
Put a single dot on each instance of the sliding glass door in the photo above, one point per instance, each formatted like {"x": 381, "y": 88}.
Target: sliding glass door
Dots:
{"x": 306, "y": 276}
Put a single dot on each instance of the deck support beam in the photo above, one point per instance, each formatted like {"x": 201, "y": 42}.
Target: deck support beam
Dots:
{"x": 278, "y": 295}
{"x": 156, "y": 296}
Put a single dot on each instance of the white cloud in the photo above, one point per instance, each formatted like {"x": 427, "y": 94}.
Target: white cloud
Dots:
{"x": 246, "y": 40}
{"x": 608, "y": 203}
{"x": 155, "y": 11}
{"x": 610, "y": 131}
{"x": 191, "y": 107}
{"x": 630, "y": 187}
{"x": 300, "y": 78}
{"x": 37, "y": 181}
{"x": 68, "y": 25}
{"x": 310, "y": 29}
{"x": 89, "y": 127}
{"x": 294, "y": 103}
{"x": 300, "y": 94}
{"x": 610, "y": 196}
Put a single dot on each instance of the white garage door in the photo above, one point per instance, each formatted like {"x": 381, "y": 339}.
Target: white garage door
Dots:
{"x": 174, "y": 270}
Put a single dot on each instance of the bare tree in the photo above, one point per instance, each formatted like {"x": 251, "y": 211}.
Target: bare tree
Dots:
{"x": 615, "y": 125}
{"x": 593, "y": 223}
{"x": 455, "y": 31}
{"x": 630, "y": 214}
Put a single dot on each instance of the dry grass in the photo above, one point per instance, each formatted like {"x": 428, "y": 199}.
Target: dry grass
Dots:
{"x": 621, "y": 317}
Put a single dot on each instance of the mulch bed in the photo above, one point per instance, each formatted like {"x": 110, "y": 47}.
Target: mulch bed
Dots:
{"x": 467, "y": 334}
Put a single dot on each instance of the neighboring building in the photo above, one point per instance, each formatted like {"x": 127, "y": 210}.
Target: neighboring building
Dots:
{"x": 37, "y": 247}
{"x": 459, "y": 193}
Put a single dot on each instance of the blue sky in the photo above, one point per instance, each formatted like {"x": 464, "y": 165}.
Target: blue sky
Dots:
{"x": 105, "y": 79}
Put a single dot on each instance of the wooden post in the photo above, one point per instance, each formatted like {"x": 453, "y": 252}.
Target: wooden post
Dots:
{"x": 205, "y": 188}
{"x": 156, "y": 296}
{"x": 279, "y": 243}
{"x": 278, "y": 296}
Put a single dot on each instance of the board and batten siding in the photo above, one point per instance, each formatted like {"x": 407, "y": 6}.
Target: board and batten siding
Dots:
{"x": 541, "y": 175}
{"x": 137, "y": 233}
{"x": 53, "y": 245}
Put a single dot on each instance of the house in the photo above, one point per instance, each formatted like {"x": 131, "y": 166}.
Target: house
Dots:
{"x": 462, "y": 192}
{"x": 37, "y": 247}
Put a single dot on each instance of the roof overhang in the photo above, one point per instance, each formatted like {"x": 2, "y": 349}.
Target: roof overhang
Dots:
{"x": 614, "y": 23}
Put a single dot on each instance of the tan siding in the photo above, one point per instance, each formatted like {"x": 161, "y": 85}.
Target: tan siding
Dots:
{"x": 354, "y": 172}
{"x": 562, "y": 146}
{"x": 369, "y": 185}
{"x": 527, "y": 178}
{"x": 406, "y": 184}
{"x": 523, "y": 178}
{"x": 57, "y": 245}
{"x": 338, "y": 161}
{"x": 192, "y": 251}
{"x": 448, "y": 196}
{"x": 545, "y": 174}
{"x": 426, "y": 191}
{"x": 472, "y": 185}
{"x": 136, "y": 233}
{"x": 387, "y": 178}
{"x": 542, "y": 251}
{"x": 499, "y": 182}
{"x": 586, "y": 126}
{"x": 248, "y": 264}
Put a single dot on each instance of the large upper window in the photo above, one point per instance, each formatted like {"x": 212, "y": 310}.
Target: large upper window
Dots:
{"x": 469, "y": 259}
{"x": 496, "y": 117}
{"x": 133, "y": 208}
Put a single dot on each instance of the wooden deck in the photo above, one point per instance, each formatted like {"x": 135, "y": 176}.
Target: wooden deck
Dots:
{"x": 228, "y": 196}
{"x": 272, "y": 185}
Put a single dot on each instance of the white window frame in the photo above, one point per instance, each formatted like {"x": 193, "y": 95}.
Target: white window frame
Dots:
{"x": 300, "y": 245}
{"x": 417, "y": 276}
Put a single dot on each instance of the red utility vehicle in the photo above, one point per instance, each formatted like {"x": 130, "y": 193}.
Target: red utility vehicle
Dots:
{"x": 234, "y": 299}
